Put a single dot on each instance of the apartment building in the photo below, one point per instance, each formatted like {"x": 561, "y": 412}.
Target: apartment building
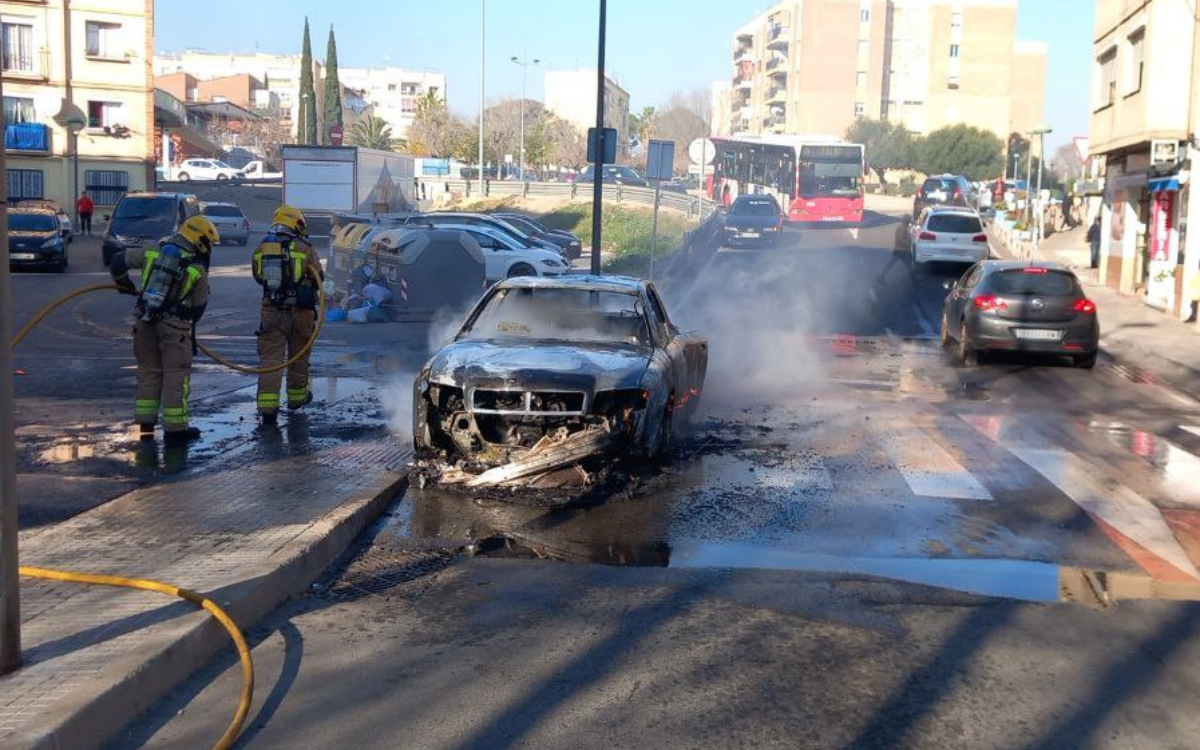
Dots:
{"x": 813, "y": 66}
{"x": 1145, "y": 113}
{"x": 393, "y": 93}
{"x": 571, "y": 94}
{"x": 78, "y": 98}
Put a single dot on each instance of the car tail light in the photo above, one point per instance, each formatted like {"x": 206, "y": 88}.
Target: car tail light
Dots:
{"x": 1084, "y": 305}
{"x": 927, "y": 236}
{"x": 958, "y": 194}
{"x": 990, "y": 303}
{"x": 1033, "y": 269}
{"x": 246, "y": 224}
{"x": 979, "y": 238}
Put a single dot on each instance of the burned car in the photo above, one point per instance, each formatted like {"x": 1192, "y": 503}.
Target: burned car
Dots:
{"x": 547, "y": 372}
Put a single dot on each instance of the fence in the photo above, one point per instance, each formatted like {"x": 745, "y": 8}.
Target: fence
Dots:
{"x": 688, "y": 204}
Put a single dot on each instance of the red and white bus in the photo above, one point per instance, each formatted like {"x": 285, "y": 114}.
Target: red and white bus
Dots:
{"x": 814, "y": 179}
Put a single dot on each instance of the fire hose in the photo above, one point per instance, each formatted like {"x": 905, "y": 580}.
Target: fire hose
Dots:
{"x": 247, "y": 695}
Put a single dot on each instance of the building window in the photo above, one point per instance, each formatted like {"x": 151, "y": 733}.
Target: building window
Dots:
{"x": 103, "y": 114}
{"x": 860, "y": 109}
{"x": 102, "y": 40}
{"x": 1137, "y": 60}
{"x": 1107, "y": 81}
{"x": 391, "y": 87}
{"x": 954, "y": 50}
{"x": 408, "y": 104}
{"x": 18, "y": 109}
{"x": 956, "y": 21}
{"x": 410, "y": 89}
{"x": 106, "y": 186}
{"x": 17, "y": 42}
{"x": 953, "y": 83}
{"x": 25, "y": 184}
{"x": 861, "y": 81}
{"x": 864, "y": 15}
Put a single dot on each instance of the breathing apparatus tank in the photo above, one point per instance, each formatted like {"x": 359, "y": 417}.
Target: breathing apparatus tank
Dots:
{"x": 163, "y": 284}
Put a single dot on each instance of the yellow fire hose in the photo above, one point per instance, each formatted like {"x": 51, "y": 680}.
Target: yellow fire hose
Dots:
{"x": 243, "y": 709}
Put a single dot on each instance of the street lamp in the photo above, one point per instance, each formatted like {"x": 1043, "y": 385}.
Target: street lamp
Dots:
{"x": 75, "y": 125}
{"x": 482, "y": 59}
{"x": 1040, "y": 131}
{"x": 524, "y": 62}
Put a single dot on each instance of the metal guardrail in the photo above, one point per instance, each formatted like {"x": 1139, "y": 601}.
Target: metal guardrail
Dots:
{"x": 686, "y": 203}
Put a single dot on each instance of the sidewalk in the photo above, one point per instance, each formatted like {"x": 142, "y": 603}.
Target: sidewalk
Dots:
{"x": 1131, "y": 332}
{"x": 250, "y": 535}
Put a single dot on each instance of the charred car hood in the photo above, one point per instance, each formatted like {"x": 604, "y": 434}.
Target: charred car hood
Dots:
{"x": 532, "y": 365}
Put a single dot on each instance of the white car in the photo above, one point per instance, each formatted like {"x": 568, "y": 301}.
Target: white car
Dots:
{"x": 507, "y": 258}
{"x": 948, "y": 234}
{"x": 206, "y": 169}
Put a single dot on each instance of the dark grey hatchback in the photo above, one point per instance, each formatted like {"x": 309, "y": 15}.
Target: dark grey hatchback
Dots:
{"x": 1018, "y": 306}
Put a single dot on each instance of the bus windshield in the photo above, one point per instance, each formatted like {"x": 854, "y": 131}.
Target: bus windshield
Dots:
{"x": 830, "y": 171}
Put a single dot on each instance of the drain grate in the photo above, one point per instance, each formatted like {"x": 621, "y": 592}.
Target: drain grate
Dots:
{"x": 384, "y": 571}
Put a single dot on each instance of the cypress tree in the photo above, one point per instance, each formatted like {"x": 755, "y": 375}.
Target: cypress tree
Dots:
{"x": 306, "y": 130}
{"x": 333, "y": 90}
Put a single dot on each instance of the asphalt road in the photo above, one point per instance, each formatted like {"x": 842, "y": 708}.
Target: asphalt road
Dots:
{"x": 859, "y": 544}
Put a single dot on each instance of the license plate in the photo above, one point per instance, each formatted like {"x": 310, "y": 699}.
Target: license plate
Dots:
{"x": 831, "y": 218}
{"x": 1038, "y": 334}
{"x": 749, "y": 234}
{"x": 22, "y": 256}
{"x": 937, "y": 195}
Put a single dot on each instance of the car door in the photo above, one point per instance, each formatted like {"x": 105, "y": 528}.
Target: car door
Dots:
{"x": 495, "y": 260}
{"x": 686, "y": 353}
{"x": 963, "y": 291}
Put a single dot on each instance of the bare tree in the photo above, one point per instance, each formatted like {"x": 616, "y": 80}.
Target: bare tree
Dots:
{"x": 1066, "y": 165}
{"x": 681, "y": 125}
{"x": 697, "y": 101}
{"x": 434, "y": 131}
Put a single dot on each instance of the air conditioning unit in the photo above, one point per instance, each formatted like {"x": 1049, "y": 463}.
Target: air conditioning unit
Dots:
{"x": 116, "y": 131}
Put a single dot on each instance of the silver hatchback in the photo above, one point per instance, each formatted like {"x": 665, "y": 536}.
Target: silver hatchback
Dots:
{"x": 231, "y": 222}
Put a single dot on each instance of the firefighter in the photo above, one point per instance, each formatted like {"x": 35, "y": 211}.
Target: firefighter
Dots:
{"x": 173, "y": 295}
{"x": 289, "y": 271}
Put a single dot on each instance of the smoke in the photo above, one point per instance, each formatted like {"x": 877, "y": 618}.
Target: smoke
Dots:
{"x": 396, "y": 395}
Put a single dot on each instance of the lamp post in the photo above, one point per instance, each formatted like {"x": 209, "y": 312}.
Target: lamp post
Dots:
{"x": 524, "y": 62}
{"x": 1040, "y": 131}
{"x": 482, "y": 58}
{"x": 75, "y": 125}
{"x": 10, "y": 587}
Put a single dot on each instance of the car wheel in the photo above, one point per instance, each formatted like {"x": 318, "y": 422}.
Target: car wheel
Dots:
{"x": 1085, "y": 361}
{"x": 662, "y": 446}
{"x": 947, "y": 339}
{"x": 521, "y": 269}
{"x": 184, "y": 177}
{"x": 967, "y": 355}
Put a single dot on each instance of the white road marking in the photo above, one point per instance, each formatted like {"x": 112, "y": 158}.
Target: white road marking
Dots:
{"x": 1190, "y": 428}
{"x": 1122, "y": 508}
{"x": 926, "y": 466}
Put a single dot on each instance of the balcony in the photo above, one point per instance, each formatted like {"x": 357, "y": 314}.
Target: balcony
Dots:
{"x": 27, "y": 138}
{"x": 776, "y": 95}
{"x": 777, "y": 66}
{"x": 777, "y": 38}
{"x": 743, "y": 53}
{"x": 741, "y": 82}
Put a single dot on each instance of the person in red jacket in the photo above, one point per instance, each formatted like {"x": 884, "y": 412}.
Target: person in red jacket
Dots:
{"x": 84, "y": 207}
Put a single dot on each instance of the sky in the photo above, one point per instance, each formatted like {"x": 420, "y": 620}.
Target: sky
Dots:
{"x": 655, "y": 47}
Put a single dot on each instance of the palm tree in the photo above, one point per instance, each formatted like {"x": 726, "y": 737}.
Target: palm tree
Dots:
{"x": 372, "y": 132}
{"x": 643, "y": 123}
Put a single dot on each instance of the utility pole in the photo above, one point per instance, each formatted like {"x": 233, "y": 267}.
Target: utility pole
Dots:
{"x": 1040, "y": 131}
{"x": 598, "y": 171}
{"x": 482, "y": 59}
{"x": 10, "y": 586}
{"x": 524, "y": 62}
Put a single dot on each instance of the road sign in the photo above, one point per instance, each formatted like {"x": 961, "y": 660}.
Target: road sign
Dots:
{"x": 701, "y": 151}
{"x": 336, "y": 134}
{"x": 609, "y": 149}
{"x": 660, "y": 160}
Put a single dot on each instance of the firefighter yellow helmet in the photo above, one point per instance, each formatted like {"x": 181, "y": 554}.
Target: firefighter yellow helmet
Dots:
{"x": 200, "y": 233}
{"x": 290, "y": 219}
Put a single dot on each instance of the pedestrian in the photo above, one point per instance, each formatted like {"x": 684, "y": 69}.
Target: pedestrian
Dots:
{"x": 1194, "y": 297}
{"x": 1093, "y": 238}
{"x": 422, "y": 191}
{"x": 1068, "y": 208}
{"x": 417, "y": 189}
{"x": 84, "y": 207}
{"x": 289, "y": 271}
{"x": 173, "y": 295}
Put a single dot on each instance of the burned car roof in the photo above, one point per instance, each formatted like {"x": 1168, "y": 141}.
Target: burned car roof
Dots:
{"x": 617, "y": 284}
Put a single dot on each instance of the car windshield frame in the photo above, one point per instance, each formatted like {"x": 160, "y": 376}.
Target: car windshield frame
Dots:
{"x": 553, "y": 314}
{"x": 772, "y": 206}
{"x": 167, "y": 211}
{"x": 235, "y": 211}
{"x": 1031, "y": 281}
{"x": 23, "y": 218}
{"x": 953, "y": 216}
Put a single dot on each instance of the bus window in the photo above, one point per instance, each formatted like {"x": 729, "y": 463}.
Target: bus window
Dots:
{"x": 785, "y": 174}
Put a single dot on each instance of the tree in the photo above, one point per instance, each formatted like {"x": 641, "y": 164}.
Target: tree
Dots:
{"x": 1018, "y": 152}
{"x": 333, "y": 90}
{"x": 373, "y": 132}
{"x": 641, "y": 124}
{"x": 962, "y": 149}
{"x": 306, "y": 128}
{"x": 888, "y": 144}
{"x": 1066, "y": 165}
{"x": 681, "y": 125}
{"x": 567, "y": 146}
{"x": 434, "y": 129}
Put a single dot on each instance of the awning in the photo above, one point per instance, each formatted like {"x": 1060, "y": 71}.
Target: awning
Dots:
{"x": 1164, "y": 184}
{"x": 196, "y": 140}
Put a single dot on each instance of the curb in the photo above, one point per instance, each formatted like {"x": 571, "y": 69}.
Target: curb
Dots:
{"x": 96, "y": 714}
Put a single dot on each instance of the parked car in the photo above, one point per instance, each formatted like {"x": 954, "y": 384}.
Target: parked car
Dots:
{"x": 947, "y": 189}
{"x": 577, "y": 365}
{"x": 230, "y": 221}
{"x": 35, "y": 238}
{"x": 142, "y": 218}
{"x": 613, "y": 174}
{"x": 206, "y": 169}
{"x": 1020, "y": 306}
{"x": 441, "y": 218}
{"x": 755, "y": 219}
{"x": 257, "y": 170}
{"x": 674, "y": 186}
{"x": 507, "y": 258}
{"x": 569, "y": 244}
{"x": 64, "y": 219}
{"x": 948, "y": 234}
